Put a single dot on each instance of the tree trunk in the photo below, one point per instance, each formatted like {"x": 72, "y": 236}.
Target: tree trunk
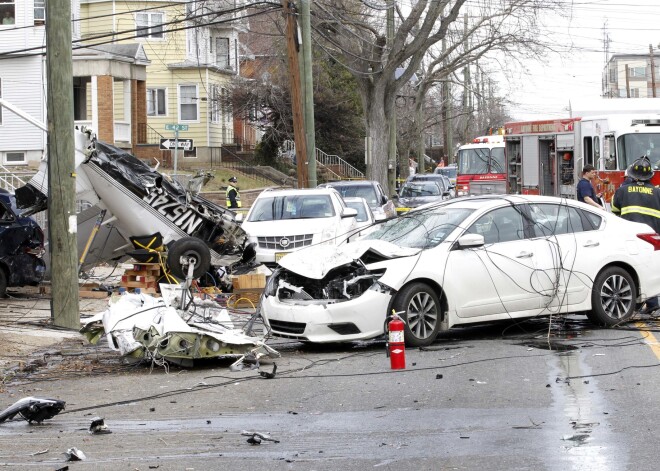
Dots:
{"x": 378, "y": 128}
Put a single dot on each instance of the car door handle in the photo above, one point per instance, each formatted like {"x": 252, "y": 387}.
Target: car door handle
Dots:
{"x": 525, "y": 255}
{"x": 591, "y": 243}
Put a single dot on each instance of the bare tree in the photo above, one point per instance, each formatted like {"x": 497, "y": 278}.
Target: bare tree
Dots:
{"x": 354, "y": 32}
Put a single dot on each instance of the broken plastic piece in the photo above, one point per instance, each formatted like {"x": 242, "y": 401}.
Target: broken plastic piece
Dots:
{"x": 33, "y": 409}
{"x": 98, "y": 426}
{"x": 257, "y": 437}
{"x": 74, "y": 454}
{"x": 271, "y": 375}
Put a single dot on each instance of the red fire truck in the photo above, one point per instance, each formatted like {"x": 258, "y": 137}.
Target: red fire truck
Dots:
{"x": 547, "y": 157}
{"x": 481, "y": 167}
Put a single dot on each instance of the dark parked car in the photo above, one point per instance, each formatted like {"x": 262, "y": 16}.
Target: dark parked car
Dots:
{"x": 382, "y": 207}
{"x": 416, "y": 193}
{"x": 21, "y": 246}
{"x": 436, "y": 177}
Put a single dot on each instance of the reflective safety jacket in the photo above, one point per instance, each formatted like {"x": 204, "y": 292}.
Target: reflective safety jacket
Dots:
{"x": 233, "y": 197}
{"x": 639, "y": 202}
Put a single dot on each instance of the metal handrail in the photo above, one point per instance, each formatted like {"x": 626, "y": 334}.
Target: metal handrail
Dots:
{"x": 11, "y": 180}
{"x": 346, "y": 170}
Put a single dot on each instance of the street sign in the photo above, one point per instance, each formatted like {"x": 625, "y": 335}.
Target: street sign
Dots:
{"x": 176, "y": 127}
{"x": 171, "y": 144}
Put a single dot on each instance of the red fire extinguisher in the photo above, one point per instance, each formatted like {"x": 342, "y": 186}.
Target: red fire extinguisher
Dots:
{"x": 397, "y": 347}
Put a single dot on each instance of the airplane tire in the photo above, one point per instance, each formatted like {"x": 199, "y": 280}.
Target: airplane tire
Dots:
{"x": 188, "y": 247}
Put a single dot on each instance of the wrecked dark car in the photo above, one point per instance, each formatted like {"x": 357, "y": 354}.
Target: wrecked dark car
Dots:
{"x": 21, "y": 246}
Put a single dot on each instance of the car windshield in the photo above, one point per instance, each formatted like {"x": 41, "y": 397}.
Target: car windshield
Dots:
{"x": 359, "y": 191}
{"x": 481, "y": 160}
{"x": 633, "y": 146}
{"x": 412, "y": 190}
{"x": 449, "y": 172}
{"x": 422, "y": 229}
{"x": 362, "y": 215}
{"x": 275, "y": 208}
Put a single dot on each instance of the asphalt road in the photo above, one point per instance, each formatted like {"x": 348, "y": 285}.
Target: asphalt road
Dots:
{"x": 535, "y": 395}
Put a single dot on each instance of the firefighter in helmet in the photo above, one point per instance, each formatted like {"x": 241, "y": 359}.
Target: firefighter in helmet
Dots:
{"x": 639, "y": 201}
{"x": 232, "y": 195}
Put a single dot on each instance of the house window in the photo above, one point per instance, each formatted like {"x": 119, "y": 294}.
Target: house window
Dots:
{"x": 156, "y": 102}
{"x": 215, "y": 104}
{"x": 188, "y": 110}
{"x": 637, "y": 72}
{"x": 227, "y": 108}
{"x": 613, "y": 75}
{"x": 222, "y": 52}
{"x": 7, "y": 12}
{"x": 15, "y": 158}
{"x": 634, "y": 93}
{"x": 149, "y": 25}
{"x": 39, "y": 12}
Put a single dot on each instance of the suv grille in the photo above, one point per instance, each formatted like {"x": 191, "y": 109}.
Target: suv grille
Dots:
{"x": 291, "y": 242}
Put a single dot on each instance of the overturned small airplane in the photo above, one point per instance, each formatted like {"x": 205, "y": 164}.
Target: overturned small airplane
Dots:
{"x": 144, "y": 205}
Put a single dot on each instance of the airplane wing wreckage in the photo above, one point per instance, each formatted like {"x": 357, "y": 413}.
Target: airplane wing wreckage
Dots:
{"x": 195, "y": 236}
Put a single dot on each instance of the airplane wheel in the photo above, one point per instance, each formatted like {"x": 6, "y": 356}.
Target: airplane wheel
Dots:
{"x": 188, "y": 247}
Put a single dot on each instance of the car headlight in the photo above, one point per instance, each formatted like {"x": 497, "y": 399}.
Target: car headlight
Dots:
{"x": 328, "y": 235}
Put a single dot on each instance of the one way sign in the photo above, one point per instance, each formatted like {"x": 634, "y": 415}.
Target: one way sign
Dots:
{"x": 169, "y": 144}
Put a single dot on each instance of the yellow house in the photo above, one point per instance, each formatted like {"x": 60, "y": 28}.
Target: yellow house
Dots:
{"x": 192, "y": 48}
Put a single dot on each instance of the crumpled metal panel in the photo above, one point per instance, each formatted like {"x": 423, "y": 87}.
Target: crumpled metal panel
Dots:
{"x": 142, "y": 326}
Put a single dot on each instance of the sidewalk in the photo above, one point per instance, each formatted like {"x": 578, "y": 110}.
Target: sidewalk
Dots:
{"x": 26, "y": 327}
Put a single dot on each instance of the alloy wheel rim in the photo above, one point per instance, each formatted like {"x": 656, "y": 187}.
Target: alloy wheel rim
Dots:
{"x": 616, "y": 296}
{"x": 422, "y": 315}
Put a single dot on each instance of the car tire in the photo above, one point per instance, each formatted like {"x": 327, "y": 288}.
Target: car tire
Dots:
{"x": 613, "y": 297}
{"x": 3, "y": 283}
{"x": 422, "y": 314}
{"x": 188, "y": 247}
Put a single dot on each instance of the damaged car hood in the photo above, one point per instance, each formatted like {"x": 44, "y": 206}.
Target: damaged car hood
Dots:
{"x": 315, "y": 262}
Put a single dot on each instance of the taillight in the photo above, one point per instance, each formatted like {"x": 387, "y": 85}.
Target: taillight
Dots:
{"x": 652, "y": 238}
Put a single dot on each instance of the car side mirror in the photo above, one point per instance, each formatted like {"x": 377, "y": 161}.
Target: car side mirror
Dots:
{"x": 383, "y": 199}
{"x": 349, "y": 213}
{"x": 471, "y": 241}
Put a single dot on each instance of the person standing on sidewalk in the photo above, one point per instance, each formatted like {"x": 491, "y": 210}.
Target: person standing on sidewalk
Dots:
{"x": 639, "y": 201}
{"x": 585, "y": 190}
{"x": 232, "y": 195}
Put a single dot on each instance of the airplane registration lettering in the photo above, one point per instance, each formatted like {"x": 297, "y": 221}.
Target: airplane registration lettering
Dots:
{"x": 160, "y": 201}
{"x": 176, "y": 213}
{"x": 150, "y": 197}
{"x": 192, "y": 224}
{"x": 162, "y": 209}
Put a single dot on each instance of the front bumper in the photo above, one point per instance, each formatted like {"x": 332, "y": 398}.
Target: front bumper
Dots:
{"x": 327, "y": 321}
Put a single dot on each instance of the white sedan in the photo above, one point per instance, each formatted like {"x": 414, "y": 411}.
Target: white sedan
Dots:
{"x": 465, "y": 261}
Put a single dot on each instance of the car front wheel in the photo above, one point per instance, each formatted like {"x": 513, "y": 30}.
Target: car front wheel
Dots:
{"x": 613, "y": 297}
{"x": 422, "y": 314}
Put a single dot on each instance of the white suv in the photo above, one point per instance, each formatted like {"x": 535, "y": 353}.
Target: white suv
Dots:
{"x": 281, "y": 221}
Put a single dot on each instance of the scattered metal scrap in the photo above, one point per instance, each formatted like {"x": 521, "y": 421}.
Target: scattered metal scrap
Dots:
{"x": 33, "y": 409}
{"x": 176, "y": 328}
{"x": 74, "y": 454}
{"x": 257, "y": 437}
{"x": 98, "y": 426}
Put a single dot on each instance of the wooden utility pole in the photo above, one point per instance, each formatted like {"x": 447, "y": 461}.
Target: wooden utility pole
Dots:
{"x": 308, "y": 81}
{"x": 62, "y": 219}
{"x": 296, "y": 101}
{"x": 652, "y": 70}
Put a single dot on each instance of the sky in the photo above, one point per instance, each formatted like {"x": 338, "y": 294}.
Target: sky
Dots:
{"x": 545, "y": 88}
